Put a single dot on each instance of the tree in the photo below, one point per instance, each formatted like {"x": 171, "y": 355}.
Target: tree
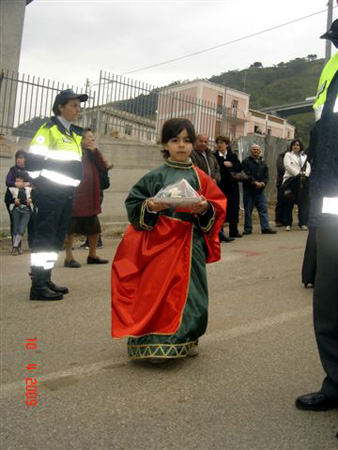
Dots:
{"x": 311, "y": 57}
{"x": 256, "y": 65}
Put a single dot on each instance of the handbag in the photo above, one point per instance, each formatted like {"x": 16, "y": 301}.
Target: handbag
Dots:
{"x": 292, "y": 185}
{"x": 239, "y": 176}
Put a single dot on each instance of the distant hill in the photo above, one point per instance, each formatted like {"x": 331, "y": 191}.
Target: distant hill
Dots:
{"x": 284, "y": 83}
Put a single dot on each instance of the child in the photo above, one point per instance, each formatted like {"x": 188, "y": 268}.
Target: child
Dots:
{"x": 20, "y": 206}
{"x": 159, "y": 284}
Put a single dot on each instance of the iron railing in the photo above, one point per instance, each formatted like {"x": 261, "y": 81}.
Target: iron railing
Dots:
{"x": 117, "y": 106}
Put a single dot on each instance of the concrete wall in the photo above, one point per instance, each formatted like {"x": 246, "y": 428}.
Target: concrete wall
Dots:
{"x": 131, "y": 161}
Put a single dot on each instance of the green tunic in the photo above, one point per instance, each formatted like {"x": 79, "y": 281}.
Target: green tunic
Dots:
{"x": 195, "y": 314}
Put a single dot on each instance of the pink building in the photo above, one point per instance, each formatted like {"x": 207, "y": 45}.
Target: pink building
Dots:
{"x": 215, "y": 109}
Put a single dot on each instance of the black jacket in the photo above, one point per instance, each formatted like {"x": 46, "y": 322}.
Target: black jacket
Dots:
{"x": 324, "y": 171}
{"x": 227, "y": 182}
{"x": 257, "y": 170}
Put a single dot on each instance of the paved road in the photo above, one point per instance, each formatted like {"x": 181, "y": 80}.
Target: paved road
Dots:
{"x": 259, "y": 353}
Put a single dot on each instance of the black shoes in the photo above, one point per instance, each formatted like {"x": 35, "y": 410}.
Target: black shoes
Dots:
{"x": 237, "y": 235}
{"x": 72, "y": 263}
{"x": 40, "y": 290}
{"x": 52, "y": 286}
{"x": 269, "y": 231}
{"x": 97, "y": 260}
{"x": 226, "y": 239}
{"x": 316, "y": 401}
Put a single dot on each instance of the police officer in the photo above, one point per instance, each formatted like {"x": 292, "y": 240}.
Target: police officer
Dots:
{"x": 54, "y": 161}
{"x": 324, "y": 219}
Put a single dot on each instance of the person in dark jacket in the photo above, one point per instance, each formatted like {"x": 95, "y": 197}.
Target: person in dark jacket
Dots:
{"x": 253, "y": 191}
{"x": 324, "y": 219}
{"x": 19, "y": 170}
{"x": 87, "y": 203}
{"x": 228, "y": 162}
{"x": 280, "y": 204}
{"x": 204, "y": 159}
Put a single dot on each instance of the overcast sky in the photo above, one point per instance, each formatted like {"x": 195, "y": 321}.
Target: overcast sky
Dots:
{"x": 73, "y": 40}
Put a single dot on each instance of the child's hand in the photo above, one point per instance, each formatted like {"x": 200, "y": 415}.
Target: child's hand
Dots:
{"x": 156, "y": 206}
{"x": 17, "y": 202}
{"x": 200, "y": 207}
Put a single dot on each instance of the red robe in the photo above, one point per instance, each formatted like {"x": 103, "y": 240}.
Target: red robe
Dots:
{"x": 151, "y": 270}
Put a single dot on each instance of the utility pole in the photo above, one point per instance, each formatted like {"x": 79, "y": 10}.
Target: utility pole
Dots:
{"x": 329, "y": 21}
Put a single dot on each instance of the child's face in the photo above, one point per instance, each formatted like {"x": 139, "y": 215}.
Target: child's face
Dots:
{"x": 179, "y": 147}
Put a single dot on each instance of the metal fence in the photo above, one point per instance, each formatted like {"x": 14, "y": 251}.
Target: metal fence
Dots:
{"x": 26, "y": 103}
{"x": 117, "y": 106}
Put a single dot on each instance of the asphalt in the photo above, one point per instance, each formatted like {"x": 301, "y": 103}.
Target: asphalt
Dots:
{"x": 258, "y": 355}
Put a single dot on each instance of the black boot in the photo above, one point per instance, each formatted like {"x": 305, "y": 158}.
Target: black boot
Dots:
{"x": 39, "y": 289}
{"x": 54, "y": 287}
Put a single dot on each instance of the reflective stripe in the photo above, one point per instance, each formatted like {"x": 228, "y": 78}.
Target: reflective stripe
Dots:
{"x": 58, "y": 155}
{"x": 59, "y": 178}
{"x": 330, "y": 205}
{"x": 44, "y": 259}
{"x": 335, "y": 108}
{"x": 34, "y": 174}
{"x": 38, "y": 150}
{"x": 318, "y": 111}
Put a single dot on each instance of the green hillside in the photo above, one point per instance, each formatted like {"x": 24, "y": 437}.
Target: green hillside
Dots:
{"x": 284, "y": 83}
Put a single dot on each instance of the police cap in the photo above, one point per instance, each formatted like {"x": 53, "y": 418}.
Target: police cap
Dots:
{"x": 66, "y": 95}
{"x": 332, "y": 33}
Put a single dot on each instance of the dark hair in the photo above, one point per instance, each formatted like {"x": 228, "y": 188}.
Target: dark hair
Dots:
{"x": 293, "y": 142}
{"x": 86, "y": 130}
{"x": 20, "y": 153}
{"x": 222, "y": 138}
{"x": 173, "y": 127}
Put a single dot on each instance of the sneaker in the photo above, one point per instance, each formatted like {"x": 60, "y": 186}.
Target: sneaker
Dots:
{"x": 99, "y": 244}
{"x": 15, "y": 251}
{"x": 269, "y": 231}
{"x": 288, "y": 228}
{"x": 245, "y": 233}
{"x": 304, "y": 228}
{"x": 85, "y": 245}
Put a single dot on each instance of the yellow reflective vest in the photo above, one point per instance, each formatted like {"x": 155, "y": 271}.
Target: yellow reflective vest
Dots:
{"x": 325, "y": 79}
{"x": 55, "y": 153}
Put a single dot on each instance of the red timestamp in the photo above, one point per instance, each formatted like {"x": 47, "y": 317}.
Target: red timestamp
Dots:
{"x": 31, "y": 384}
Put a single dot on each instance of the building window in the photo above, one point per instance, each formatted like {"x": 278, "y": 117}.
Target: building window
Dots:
{"x": 234, "y": 107}
{"x": 128, "y": 130}
{"x": 219, "y": 104}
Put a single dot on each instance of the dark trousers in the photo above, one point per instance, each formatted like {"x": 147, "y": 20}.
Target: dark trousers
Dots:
{"x": 303, "y": 208}
{"x": 54, "y": 211}
{"x": 279, "y": 210}
{"x": 325, "y": 306}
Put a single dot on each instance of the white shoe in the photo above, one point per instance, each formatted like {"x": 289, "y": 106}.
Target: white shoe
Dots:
{"x": 304, "y": 227}
{"x": 288, "y": 228}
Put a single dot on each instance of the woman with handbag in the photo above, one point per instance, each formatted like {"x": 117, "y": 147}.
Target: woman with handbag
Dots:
{"x": 295, "y": 185}
{"x": 229, "y": 167}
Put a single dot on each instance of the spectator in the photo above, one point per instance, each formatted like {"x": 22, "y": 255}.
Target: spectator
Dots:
{"x": 205, "y": 160}
{"x": 20, "y": 206}
{"x": 19, "y": 169}
{"x": 228, "y": 163}
{"x": 253, "y": 191}
{"x": 87, "y": 204}
{"x": 295, "y": 163}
